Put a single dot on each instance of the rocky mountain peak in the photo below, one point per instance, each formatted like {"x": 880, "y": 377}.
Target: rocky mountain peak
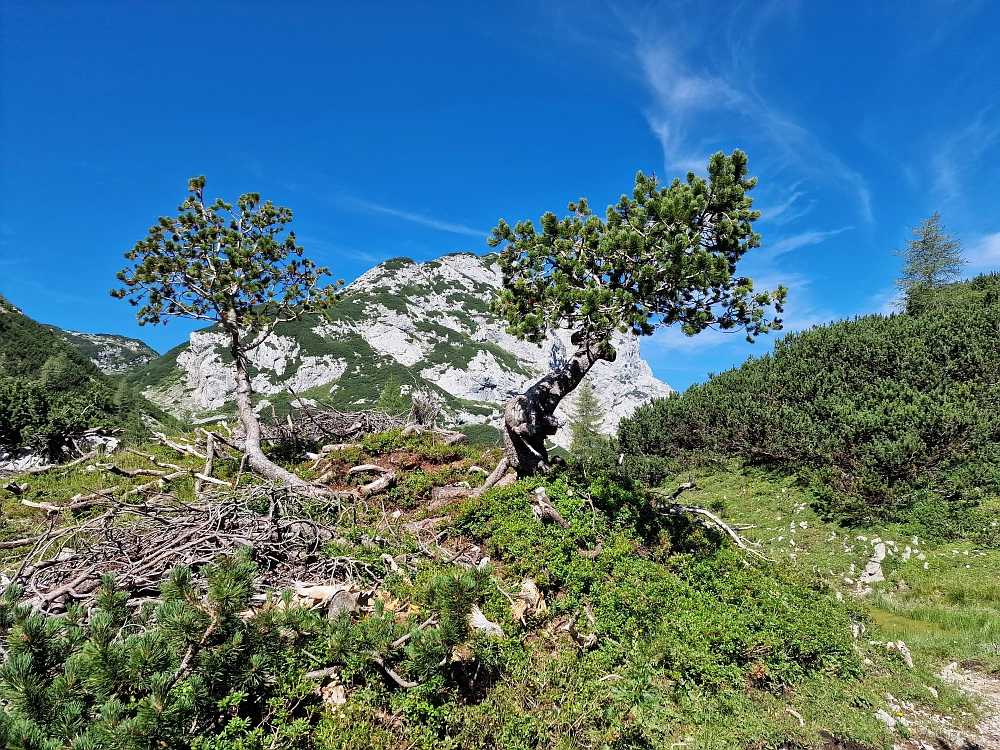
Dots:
{"x": 419, "y": 324}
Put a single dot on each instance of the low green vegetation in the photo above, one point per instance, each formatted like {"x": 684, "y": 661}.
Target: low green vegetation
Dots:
{"x": 693, "y": 640}
{"x": 884, "y": 418}
{"x": 49, "y": 390}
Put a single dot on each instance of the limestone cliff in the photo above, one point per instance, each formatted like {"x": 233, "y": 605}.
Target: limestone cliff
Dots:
{"x": 420, "y": 325}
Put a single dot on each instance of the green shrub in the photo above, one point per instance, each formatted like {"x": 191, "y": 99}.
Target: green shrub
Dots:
{"x": 48, "y": 390}
{"x": 481, "y": 434}
{"x": 876, "y": 413}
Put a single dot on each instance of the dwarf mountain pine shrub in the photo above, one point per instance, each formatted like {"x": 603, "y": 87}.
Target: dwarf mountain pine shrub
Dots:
{"x": 887, "y": 418}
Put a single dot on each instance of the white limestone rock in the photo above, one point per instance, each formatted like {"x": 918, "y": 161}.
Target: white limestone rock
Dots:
{"x": 432, "y": 318}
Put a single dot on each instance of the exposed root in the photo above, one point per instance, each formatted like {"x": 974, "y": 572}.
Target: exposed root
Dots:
{"x": 543, "y": 510}
{"x": 138, "y": 542}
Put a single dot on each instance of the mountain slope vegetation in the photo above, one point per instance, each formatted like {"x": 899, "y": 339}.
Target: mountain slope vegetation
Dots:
{"x": 112, "y": 353}
{"x": 622, "y": 627}
{"x": 49, "y": 389}
{"x": 885, "y": 418}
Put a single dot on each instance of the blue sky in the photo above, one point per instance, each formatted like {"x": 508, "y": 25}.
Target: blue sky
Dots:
{"x": 410, "y": 128}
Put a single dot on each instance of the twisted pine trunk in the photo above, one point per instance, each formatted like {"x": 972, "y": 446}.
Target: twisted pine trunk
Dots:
{"x": 256, "y": 460}
{"x": 530, "y": 417}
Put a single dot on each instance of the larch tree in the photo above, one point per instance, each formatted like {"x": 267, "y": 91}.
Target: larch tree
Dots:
{"x": 234, "y": 267}
{"x": 666, "y": 255}
{"x": 931, "y": 260}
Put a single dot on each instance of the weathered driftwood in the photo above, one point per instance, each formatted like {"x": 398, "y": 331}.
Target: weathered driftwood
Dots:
{"x": 379, "y": 485}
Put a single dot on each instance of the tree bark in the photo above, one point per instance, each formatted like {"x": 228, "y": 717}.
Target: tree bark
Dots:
{"x": 530, "y": 417}
{"x": 249, "y": 421}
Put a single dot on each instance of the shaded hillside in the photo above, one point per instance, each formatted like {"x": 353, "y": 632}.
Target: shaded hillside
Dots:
{"x": 113, "y": 354}
{"x": 49, "y": 389}
{"x": 887, "y": 418}
{"x": 415, "y": 325}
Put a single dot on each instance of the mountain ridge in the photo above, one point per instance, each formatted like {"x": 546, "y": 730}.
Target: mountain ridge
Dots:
{"x": 113, "y": 353}
{"x": 422, "y": 325}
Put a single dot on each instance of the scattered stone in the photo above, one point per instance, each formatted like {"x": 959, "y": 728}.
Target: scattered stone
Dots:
{"x": 873, "y": 571}
{"x": 883, "y": 716}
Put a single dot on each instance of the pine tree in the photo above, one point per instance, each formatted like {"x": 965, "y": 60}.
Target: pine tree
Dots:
{"x": 585, "y": 427}
{"x": 931, "y": 260}
{"x": 664, "y": 255}
{"x": 237, "y": 268}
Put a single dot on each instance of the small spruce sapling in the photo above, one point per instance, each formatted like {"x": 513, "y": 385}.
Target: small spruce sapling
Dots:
{"x": 931, "y": 260}
{"x": 587, "y": 418}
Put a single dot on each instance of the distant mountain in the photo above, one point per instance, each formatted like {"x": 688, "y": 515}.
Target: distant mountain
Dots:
{"x": 425, "y": 325}
{"x": 113, "y": 354}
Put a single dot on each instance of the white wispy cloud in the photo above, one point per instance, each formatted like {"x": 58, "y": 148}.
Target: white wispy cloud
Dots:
{"x": 884, "y": 302}
{"x": 788, "y": 244}
{"x": 960, "y": 152}
{"x": 359, "y": 204}
{"x": 686, "y": 96}
{"x": 787, "y": 209}
{"x": 338, "y": 249}
{"x": 984, "y": 254}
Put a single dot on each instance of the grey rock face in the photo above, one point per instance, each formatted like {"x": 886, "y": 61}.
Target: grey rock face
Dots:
{"x": 431, "y": 318}
{"x": 112, "y": 353}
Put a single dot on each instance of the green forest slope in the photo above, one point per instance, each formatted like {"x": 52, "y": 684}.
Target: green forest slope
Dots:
{"x": 49, "y": 389}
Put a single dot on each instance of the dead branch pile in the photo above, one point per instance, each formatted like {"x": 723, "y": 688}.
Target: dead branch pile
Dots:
{"x": 139, "y": 542}
{"x": 312, "y": 423}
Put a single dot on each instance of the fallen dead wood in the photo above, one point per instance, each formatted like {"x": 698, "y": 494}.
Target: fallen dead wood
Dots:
{"x": 581, "y": 640}
{"x": 379, "y": 485}
{"x": 206, "y": 474}
{"x": 705, "y": 517}
{"x": 139, "y": 542}
{"x": 16, "y": 543}
{"x": 405, "y": 684}
{"x": 368, "y": 468}
{"x": 314, "y": 424}
{"x": 103, "y": 497}
{"x": 187, "y": 450}
{"x": 441, "y": 496}
{"x": 543, "y": 510}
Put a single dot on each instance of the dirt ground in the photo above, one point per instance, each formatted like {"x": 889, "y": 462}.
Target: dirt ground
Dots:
{"x": 986, "y": 736}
